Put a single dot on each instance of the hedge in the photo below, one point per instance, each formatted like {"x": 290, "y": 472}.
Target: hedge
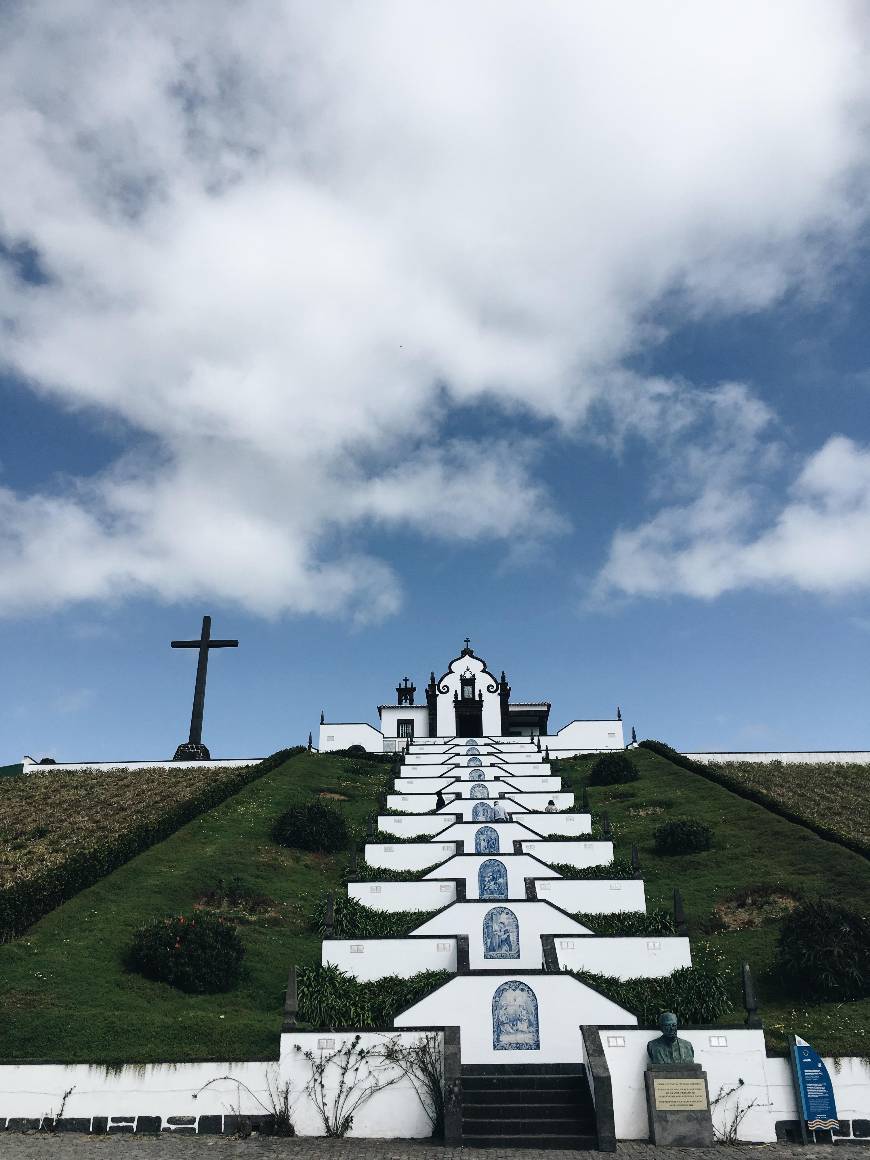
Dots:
{"x": 329, "y": 999}
{"x": 24, "y": 900}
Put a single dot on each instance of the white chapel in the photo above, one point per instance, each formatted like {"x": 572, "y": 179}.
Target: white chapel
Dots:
{"x": 468, "y": 700}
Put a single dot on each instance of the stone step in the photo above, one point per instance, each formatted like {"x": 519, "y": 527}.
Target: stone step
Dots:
{"x": 531, "y": 1118}
{"x": 503, "y": 1069}
{"x": 577, "y": 1143}
{"x": 514, "y": 1083}
{"x": 539, "y": 1097}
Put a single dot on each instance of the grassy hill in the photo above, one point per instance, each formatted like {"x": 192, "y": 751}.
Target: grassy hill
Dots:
{"x": 65, "y": 996}
{"x": 11, "y": 770}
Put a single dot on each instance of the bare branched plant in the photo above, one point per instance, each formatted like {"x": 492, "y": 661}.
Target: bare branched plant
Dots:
{"x": 345, "y": 1079}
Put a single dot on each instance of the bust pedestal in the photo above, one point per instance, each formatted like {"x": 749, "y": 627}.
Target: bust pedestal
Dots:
{"x": 678, "y": 1105}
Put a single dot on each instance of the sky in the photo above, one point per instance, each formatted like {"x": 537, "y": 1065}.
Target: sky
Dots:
{"x": 366, "y": 327}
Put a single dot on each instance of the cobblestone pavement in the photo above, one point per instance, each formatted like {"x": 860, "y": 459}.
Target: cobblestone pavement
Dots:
{"x": 68, "y": 1146}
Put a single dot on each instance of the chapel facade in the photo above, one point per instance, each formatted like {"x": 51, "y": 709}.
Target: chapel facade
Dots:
{"x": 467, "y": 700}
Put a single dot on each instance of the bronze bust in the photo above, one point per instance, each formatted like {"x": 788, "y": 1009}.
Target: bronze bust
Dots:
{"x": 668, "y": 1048}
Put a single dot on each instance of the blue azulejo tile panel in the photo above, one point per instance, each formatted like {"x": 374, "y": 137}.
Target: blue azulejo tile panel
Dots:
{"x": 492, "y": 879}
{"x": 486, "y": 841}
{"x": 479, "y": 791}
{"x": 481, "y": 812}
{"x": 501, "y": 934}
{"x": 515, "y": 1018}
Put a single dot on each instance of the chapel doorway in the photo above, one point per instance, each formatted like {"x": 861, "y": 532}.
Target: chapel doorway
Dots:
{"x": 469, "y": 718}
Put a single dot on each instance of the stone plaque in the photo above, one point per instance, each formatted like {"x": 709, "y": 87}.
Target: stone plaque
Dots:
{"x": 680, "y": 1095}
{"x": 678, "y": 1105}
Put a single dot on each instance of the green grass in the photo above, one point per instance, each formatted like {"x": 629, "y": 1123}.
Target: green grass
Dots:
{"x": 751, "y": 845}
{"x": 11, "y": 770}
{"x": 64, "y": 994}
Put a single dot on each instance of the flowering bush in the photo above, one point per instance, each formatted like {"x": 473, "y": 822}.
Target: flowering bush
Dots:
{"x": 200, "y": 954}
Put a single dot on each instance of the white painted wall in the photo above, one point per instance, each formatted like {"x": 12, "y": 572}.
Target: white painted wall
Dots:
{"x": 537, "y": 802}
{"x": 466, "y": 807}
{"x": 571, "y": 853}
{"x": 625, "y": 957}
{"x": 465, "y": 833}
{"x": 422, "y": 895}
{"x": 376, "y": 958}
{"x": 592, "y": 896}
{"x": 564, "y": 1004}
{"x": 539, "y": 784}
{"x": 415, "y": 826}
{"x": 416, "y": 803}
{"x": 741, "y": 1055}
{"x": 179, "y": 1089}
{"x": 335, "y": 735}
{"x": 796, "y": 757}
{"x": 451, "y": 683}
{"x": 391, "y": 715}
{"x": 580, "y": 735}
{"x": 518, "y": 866}
{"x": 408, "y": 855}
{"x": 562, "y": 824}
{"x": 430, "y": 785}
{"x": 533, "y": 919}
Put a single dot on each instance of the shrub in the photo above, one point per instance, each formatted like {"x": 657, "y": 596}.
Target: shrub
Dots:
{"x": 356, "y": 750}
{"x": 328, "y": 998}
{"x": 618, "y": 868}
{"x": 351, "y": 919}
{"x": 200, "y": 954}
{"x": 699, "y": 994}
{"x": 629, "y": 922}
{"x": 613, "y": 769}
{"x": 682, "y": 836}
{"x": 312, "y": 826}
{"x": 824, "y": 951}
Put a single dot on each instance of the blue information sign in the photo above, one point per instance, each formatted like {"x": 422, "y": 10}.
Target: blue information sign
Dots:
{"x": 818, "y": 1106}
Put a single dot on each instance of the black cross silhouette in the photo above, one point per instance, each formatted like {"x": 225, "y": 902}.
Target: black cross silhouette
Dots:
{"x": 467, "y": 641}
{"x": 203, "y": 644}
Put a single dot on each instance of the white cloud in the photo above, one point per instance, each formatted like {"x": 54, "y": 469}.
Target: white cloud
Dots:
{"x": 817, "y": 541}
{"x": 286, "y": 240}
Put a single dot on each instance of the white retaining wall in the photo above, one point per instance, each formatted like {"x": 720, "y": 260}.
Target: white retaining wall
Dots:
{"x": 626, "y": 957}
{"x": 423, "y": 895}
{"x": 566, "y": 825}
{"x": 408, "y": 855}
{"x": 466, "y": 832}
{"x": 564, "y": 1004}
{"x": 343, "y": 735}
{"x": 591, "y": 896}
{"x": 376, "y": 958}
{"x": 577, "y": 854}
{"x": 423, "y": 825}
{"x": 533, "y": 920}
{"x": 518, "y": 866}
{"x": 727, "y": 1055}
{"x": 35, "y": 1091}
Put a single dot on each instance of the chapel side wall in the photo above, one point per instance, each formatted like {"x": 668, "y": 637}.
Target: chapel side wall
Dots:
{"x": 343, "y": 735}
{"x": 581, "y": 735}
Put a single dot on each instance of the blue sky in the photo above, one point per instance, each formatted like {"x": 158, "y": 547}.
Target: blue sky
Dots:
{"x": 362, "y": 334}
